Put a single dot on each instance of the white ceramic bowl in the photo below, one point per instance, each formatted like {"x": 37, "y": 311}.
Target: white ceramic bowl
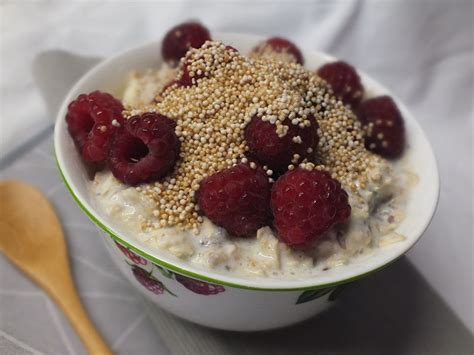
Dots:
{"x": 224, "y": 301}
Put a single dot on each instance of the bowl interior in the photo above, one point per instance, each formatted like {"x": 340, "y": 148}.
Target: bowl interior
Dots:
{"x": 110, "y": 75}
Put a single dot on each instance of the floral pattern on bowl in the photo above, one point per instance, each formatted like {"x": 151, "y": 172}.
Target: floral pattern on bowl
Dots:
{"x": 199, "y": 287}
{"x": 310, "y": 295}
{"x": 149, "y": 281}
{"x": 153, "y": 284}
{"x": 196, "y": 286}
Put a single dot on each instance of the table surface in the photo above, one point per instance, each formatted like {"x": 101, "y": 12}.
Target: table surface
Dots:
{"x": 421, "y": 304}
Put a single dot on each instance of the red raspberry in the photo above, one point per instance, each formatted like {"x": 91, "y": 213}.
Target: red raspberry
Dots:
{"x": 200, "y": 287}
{"x": 277, "y": 152}
{"x": 137, "y": 259}
{"x": 144, "y": 149}
{"x": 147, "y": 280}
{"x": 305, "y": 204}
{"x": 385, "y": 127}
{"x": 344, "y": 81}
{"x": 186, "y": 79}
{"x": 237, "y": 199}
{"x": 90, "y": 119}
{"x": 179, "y": 39}
{"x": 171, "y": 83}
{"x": 285, "y": 50}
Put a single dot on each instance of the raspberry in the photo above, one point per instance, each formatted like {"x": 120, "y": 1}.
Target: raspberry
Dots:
{"x": 344, "y": 81}
{"x": 237, "y": 199}
{"x": 278, "y": 152}
{"x": 145, "y": 278}
{"x": 283, "y": 49}
{"x": 131, "y": 255}
{"x": 179, "y": 39}
{"x": 90, "y": 119}
{"x": 305, "y": 204}
{"x": 171, "y": 83}
{"x": 385, "y": 127}
{"x": 144, "y": 149}
{"x": 186, "y": 79}
{"x": 200, "y": 287}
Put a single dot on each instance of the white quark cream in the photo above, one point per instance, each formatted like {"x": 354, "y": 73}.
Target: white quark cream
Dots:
{"x": 371, "y": 225}
{"x": 141, "y": 89}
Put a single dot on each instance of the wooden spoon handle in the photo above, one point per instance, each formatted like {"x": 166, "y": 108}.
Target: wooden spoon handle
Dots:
{"x": 68, "y": 300}
{"x": 31, "y": 237}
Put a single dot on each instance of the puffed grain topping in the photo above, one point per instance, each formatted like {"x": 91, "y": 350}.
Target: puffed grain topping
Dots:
{"x": 228, "y": 90}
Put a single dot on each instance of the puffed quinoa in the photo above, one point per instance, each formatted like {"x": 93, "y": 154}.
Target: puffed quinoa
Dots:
{"x": 228, "y": 90}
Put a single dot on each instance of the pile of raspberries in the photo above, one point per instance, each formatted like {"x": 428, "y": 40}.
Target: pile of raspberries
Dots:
{"x": 301, "y": 205}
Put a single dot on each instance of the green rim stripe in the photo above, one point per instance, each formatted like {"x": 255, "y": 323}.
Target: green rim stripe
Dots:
{"x": 190, "y": 273}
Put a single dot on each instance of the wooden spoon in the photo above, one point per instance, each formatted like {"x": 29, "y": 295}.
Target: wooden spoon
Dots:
{"x": 31, "y": 237}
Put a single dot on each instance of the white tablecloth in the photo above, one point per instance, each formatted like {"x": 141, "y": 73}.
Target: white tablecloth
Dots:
{"x": 422, "y": 50}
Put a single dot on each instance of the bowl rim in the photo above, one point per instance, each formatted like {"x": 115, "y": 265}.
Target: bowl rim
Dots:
{"x": 210, "y": 276}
